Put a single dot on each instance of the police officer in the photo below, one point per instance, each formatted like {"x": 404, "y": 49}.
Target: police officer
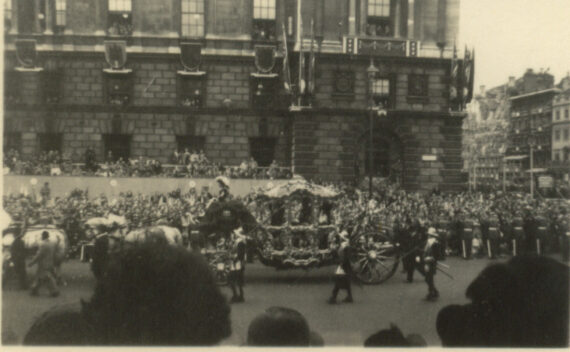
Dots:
{"x": 343, "y": 272}
{"x": 428, "y": 260}
{"x": 237, "y": 266}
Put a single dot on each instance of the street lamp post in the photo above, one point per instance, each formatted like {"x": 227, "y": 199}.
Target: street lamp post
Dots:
{"x": 531, "y": 144}
{"x": 371, "y": 72}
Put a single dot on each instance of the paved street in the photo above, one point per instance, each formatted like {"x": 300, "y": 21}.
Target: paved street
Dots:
{"x": 375, "y": 307}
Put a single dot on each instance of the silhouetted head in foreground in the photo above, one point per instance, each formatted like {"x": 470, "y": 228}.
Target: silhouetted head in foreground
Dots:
{"x": 393, "y": 337}
{"x": 150, "y": 295}
{"x": 279, "y": 326}
{"x": 521, "y": 303}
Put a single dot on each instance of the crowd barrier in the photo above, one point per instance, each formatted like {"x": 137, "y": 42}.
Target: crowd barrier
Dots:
{"x": 112, "y": 186}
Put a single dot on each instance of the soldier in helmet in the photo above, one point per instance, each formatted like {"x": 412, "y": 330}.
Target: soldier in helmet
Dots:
{"x": 237, "y": 265}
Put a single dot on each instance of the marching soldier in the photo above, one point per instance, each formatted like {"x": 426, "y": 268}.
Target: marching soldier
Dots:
{"x": 484, "y": 225}
{"x": 237, "y": 266}
{"x": 518, "y": 234}
{"x": 443, "y": 231}
{"x": 494, "y": 237}
{"x": 343, "y": 272}
{"x": 467, "y": 240}
{"x": 428, "y": 261}
{"x": 540, "y": 234}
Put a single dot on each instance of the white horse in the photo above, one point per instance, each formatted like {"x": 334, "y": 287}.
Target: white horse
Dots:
{"x": 170, "y": 235}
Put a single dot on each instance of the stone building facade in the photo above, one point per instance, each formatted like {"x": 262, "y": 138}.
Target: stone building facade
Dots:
{"x": 64, "y": 93}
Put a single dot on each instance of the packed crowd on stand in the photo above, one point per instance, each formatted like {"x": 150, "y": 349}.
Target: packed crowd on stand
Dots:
{"x": 183, "y": 164}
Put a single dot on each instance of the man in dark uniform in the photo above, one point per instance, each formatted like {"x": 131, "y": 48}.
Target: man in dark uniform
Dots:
{"x": 494, "y": 237}
{"x": 45, "y": 259}
{"x": 467, "y": 239}
{"x": 428, "y": 260}
{"x": 457, "y": 227}
{"x": 18, "y": 253}
{"x": 530, "y": 229}
{"x": 343, "y": 272}
{"x": 541, "y": 224}
{"x": 484, "y": 225}
{"x": 518, "y": 234}
{"x": 237, "y": 266}
{"x": 409, "y": 238}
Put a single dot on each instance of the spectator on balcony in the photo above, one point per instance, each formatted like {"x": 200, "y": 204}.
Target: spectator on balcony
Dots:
{"x": 273, "y": 170}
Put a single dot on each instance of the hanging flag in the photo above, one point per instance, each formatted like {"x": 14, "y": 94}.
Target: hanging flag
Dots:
{"x": 311, "y": 75}
{"x": 286, "y": 70}
{"x": 453, "y": 94}
{"x": 469, "y": 74}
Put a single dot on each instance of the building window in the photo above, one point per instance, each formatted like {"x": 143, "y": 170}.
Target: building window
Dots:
{"x": 12, "y": 142}
{"x": 262, "y": 149}
{"x": 557, "y": 135}
{"x": 264, "y": 14}
{"x": 190, "y": 143}
{"x": 60, "y": 8}
{"x": 50, "y": 142}
{"x": 119, "y": 18}
{"x": 565, "y": 134}
{"x": 264, "y": 92}
{"x": 418, "y": 85}
{"x": 7, "y": 15}
{"x": 566, "y": 114}
{"x": 118, "y": 88}
{"x": 379, "y": 21}
{"x": 12, "y": 83}
{"x": 52, "y": 86}
{"x": 557, "y": 156}
{"x": 191, "y": 90}
{"x": 118, "y": 144}
{"x": 557, "y": 115}
{"x": 192, "y": 18}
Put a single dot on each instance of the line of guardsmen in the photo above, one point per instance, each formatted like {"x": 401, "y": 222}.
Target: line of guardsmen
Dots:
{"x": 525, "y": 233}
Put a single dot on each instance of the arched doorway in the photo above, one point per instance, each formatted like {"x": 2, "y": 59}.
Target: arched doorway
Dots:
{"x": 387, "y": 153}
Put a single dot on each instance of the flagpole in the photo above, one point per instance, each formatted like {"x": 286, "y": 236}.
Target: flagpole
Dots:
{"x": 300, "y": 41}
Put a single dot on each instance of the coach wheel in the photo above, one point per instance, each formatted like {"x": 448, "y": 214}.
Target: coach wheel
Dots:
{"x": 375, "y": 258}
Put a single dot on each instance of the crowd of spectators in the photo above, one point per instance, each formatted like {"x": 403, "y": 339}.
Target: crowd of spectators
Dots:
{"x": 183, "y": 164}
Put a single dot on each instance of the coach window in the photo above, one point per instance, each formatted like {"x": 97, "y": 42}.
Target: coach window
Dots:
{"x": 380, "y": 18}
{"x": 119, "y": 17}
{"x": 264, "y": 14}
{"x": 192, "y": 18}
{"x": 382, "y": 92}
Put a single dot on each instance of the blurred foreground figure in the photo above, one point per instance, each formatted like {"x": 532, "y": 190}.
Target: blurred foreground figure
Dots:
{"x": 150, "y": 295}
{"x": 393, "y": 337}
{"x": 279, "y": 326}
{"x": 521, "y": 303}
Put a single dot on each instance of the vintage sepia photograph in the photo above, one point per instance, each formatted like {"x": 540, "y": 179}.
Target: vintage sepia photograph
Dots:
{"x": 285, "y": 173}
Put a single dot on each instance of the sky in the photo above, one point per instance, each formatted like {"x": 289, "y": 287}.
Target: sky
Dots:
{"x": 510, "y": 36}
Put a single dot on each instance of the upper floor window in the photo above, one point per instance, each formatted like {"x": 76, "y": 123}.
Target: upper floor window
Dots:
{"x": 193, "y": 18}
{"x": 119, "y": 18}
{"x": 264, "y": 14}
{"x": 418, "y": 85}
{"x": 379, "y": 19}
{"x": 557, "y": 114}
{"x": 60, "y": 7}
{"x": 7, "y": 15}
{"x": 566, "y": 114}
{"x": 556, "y": 135}
{"x": 565, "y": 134}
